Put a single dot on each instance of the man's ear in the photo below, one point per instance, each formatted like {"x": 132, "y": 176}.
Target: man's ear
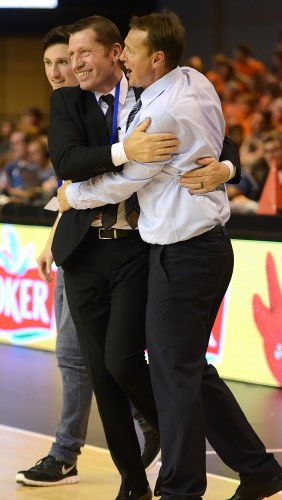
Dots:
{"x": 117, "y": 50}
{"x": 158, "y": 58}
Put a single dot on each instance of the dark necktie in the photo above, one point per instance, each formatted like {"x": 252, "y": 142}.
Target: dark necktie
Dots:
{"x": 109, "y": 99}
{"x": 131, "y": 205}
{"x": 133, "y": 112}
{"x": 109, "y": 212}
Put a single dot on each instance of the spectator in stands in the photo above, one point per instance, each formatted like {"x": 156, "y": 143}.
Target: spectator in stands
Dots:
{"x": 222, "y": 75}
{"x": 38, "y": 154}
{"x": 259, "y": 122}
{"x": 272, "y": 147}
{"x": 276, "y": 113}
{"x": 272, "y": 151}
{"x": 21, "y": 174}
{"x": 243, "y": 196}
{"x": 6, "y": 129}
{"x": 244, "y": 64}
{"x": 195, "y": 62}
{"x": 31, "y": 120}
{"x": 277, "y": 62}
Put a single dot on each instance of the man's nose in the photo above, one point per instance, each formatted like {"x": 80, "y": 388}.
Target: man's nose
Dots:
{"x": 55, "y": 72}
{"x": 122, "y": 56}
{"x": 77, "y": 61}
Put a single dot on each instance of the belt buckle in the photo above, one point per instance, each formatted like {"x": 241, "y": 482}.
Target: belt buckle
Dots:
{"x": 101, "y": 237}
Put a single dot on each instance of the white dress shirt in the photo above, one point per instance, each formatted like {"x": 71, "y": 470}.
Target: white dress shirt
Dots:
{"x": 126, "y": 102}
{"x": 185, "y": 103}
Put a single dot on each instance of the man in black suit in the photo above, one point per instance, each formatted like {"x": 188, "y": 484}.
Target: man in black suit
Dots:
{"x": 106, "y": 263}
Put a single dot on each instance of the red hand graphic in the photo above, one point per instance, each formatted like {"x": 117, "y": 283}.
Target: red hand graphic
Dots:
{"x": 269, "y": 320}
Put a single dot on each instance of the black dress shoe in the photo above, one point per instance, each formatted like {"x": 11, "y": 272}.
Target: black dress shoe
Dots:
{"x": 126, "y": 493}
{"x": 158, "y": 486}
{"x": 258, "y": 491}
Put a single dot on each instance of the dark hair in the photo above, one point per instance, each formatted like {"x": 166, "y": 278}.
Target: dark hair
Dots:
{"x": 271, "y": 135}
{"x": 43, "y": 143}
{"x": 244, "y": 48}
{"x": 106, "y": 32}
{"x": 33, "y": 111}
{"x": 164, "y": 32}
{"x": 60, "y": 34}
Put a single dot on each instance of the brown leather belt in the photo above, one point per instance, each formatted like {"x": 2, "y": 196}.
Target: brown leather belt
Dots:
{"x": 112, "y": 234}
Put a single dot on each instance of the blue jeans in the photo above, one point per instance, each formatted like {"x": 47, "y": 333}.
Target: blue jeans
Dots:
{"x": 77, "y": 388}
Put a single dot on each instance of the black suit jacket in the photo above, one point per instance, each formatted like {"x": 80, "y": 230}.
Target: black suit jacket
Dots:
{"x": 80, "y": 148}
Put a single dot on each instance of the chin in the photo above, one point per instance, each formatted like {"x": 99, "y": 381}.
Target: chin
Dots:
{"x": 84, "y": 86}
{"x": 132, "y": 82}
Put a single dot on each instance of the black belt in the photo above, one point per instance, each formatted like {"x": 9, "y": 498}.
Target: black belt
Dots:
{"x": 112, "y": 234}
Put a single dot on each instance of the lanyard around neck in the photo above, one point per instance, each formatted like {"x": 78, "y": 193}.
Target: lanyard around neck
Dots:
{"x": 115, "y": 114}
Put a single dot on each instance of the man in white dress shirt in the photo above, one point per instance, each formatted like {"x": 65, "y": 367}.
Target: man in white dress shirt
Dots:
{"x": 191, "y": 257}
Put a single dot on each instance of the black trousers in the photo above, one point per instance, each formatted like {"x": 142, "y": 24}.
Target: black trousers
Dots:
{"x": 106, "y": 286}
{"x": 187, "y": 282}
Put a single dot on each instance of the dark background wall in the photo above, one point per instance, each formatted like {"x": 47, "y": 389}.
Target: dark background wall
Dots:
{"x": 218, "y": 25}
{"x": 37, "y": 21}
{"x": 212, "y": 25}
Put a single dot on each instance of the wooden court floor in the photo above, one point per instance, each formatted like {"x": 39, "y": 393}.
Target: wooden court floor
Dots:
{"x": 98, "y": 477}
{"x": 30, "y": 405}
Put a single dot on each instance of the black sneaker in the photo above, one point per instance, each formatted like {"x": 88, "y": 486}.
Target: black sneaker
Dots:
{"x": 48, "y": 472}
{"x": 151, "y": 452}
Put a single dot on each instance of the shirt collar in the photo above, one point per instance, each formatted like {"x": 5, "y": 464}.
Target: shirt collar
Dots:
{"x": 160, "y": 86}
{"x": 123, "y": 90}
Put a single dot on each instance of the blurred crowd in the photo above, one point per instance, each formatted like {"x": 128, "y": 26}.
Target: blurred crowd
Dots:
{"x": 251, "y": 97}
{"x": 26, "y": 173}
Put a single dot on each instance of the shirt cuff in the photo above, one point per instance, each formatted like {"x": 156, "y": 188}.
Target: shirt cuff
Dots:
{"x": 72, "y": 194}
{"x": 118, "y": 154}
{"x": 232, "y": 169}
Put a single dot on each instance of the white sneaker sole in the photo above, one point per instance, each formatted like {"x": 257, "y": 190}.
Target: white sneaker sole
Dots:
{"x": 21, "y": 479}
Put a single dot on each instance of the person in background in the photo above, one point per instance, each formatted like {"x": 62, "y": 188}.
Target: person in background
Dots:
{"x": 77, "y": 388}
{"x": 245, "y": 65}
{"x": 19, "y": 172}
{"x": 31, "y": 121}
{"x": 38, "y": 154}
{"x": 271, "y": 151}
{"x": 191, "y": 260}
{"x": 195, "y": 62}
{"x": 6, "y": 129}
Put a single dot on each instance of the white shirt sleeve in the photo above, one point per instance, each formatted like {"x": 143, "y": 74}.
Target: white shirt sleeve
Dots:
{"x": 111, "y": 187}
{"x": 232, "y": 169}
{"x": 118, "y": 154}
